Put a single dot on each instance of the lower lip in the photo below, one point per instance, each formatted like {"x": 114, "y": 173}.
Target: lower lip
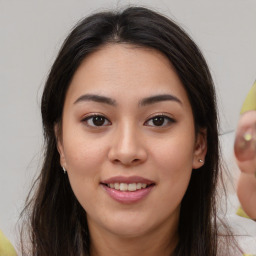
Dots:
{"x": 127, "y": 197}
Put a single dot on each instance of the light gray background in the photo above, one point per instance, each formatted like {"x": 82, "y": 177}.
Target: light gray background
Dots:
{"x": 31, "y": 33}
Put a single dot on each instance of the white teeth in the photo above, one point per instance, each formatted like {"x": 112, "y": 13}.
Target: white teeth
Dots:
{"x": 123, "y": 186}
{"x": 143, "y": 185}
{"x": 117, "y": 186}
{"x": 132, "y": 187}
{"x": 126, "y": 186}
{"x": 138, "y": 186}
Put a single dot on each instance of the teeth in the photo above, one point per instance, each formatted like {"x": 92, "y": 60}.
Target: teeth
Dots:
{"x": 132, "y": 187}
{"x": 117, "y": 186}
{"x": 138, "y": 185}
{"x": 127, "y": 187}
{"x": 143, "y": 185}
{"x": 123, "y": 186}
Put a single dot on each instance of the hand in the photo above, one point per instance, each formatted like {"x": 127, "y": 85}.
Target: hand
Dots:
{"x": 245, "y": 152}
{"x": 245, "y": 142}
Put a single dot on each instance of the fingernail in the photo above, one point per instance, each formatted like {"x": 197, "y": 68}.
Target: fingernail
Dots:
{"x": 247, "y": 136}
{"x": 245, "y": 145}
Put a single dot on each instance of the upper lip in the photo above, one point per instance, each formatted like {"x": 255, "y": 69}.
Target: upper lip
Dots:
{"x": 128, "y": 180}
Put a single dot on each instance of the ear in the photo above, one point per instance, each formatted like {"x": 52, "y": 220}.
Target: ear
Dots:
{"x": 59, "y": 144}
{"x": 200, "y": 149}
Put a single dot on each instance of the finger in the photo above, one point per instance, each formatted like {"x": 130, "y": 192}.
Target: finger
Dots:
{"x": 247, "y": 166}
{"x": 245, "y": 144}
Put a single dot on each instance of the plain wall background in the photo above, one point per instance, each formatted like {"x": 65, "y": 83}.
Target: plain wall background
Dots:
{"x": 32, "y": 33}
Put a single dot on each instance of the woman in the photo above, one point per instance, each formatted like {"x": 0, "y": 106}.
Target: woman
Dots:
{"x": 129, "y": 115}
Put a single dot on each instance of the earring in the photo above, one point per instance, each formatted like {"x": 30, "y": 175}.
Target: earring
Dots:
{"x": 64, "y": 170}
{"x": 200, "y": 161}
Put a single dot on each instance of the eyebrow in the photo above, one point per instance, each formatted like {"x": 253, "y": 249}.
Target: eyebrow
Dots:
{"x": 96, "y": 98}
{"x": 158, "y": 98}
{"x": 144, "y": 102}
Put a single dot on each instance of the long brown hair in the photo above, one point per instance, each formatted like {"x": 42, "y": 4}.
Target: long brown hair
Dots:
{"x": 57, "y": 222}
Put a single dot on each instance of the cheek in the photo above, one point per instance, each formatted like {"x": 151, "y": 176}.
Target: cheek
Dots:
{"x": 174, "y": 161}
{"x": 84, "y": 160}
{"x": 175, "y": 155}
{"x": 83, "y": 154}
{"x": 84, "y": 165}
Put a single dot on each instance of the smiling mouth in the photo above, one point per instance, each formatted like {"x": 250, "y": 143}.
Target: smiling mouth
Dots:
{"x": 127, "y": 186}
{"x": 128, "y": 190}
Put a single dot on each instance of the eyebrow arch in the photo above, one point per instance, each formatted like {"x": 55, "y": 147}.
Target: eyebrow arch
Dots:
{"x": 96, "y": 98}
{"x": 144, "y": 102}
{"x": 159, "y": 98}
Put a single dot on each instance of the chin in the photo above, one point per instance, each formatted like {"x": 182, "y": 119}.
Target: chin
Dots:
{"x": 129, "y": 225}
{"x": 129, "y": 231}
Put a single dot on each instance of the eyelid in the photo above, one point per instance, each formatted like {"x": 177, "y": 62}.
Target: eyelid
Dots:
{"x": 92, "y": 115}
{"x": 166, "y": 116}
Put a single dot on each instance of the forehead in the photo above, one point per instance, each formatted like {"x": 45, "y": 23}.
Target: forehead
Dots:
{"x": 128, "y": 71}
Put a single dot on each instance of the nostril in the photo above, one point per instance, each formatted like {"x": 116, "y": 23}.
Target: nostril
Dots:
{"x": 127, "y": 162}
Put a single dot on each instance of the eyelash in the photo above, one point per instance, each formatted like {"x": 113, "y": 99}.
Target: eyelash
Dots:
{"x": 167, "y": 120}
{"x": 88, "y": 118}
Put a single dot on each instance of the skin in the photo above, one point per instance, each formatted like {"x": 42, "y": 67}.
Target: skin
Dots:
{"x": 129, "y": 143}
{"x": 245, "y": 153}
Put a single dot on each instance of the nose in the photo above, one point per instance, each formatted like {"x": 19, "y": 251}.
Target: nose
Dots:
{"x": 126, "y": 147}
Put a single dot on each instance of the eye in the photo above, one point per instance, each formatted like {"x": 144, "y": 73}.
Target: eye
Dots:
{"x": 159, "y": 121}
{"x": 96, "y": 121}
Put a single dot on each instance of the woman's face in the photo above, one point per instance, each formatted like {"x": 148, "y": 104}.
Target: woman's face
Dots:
{"x": 128, "y": 140}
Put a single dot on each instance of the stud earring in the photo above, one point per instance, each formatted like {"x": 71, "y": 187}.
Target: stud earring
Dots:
{"x": 200, "y": 161}
{"x": 64, "y": 170}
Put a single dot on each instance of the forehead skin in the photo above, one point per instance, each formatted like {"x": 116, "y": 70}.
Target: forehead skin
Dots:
{"x": 129, "y": 72}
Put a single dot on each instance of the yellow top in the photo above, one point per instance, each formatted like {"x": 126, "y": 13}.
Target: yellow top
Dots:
{"x": 250, "y": 101}
{"x": 6, "y": 248}
{"x": 240, "y": 212}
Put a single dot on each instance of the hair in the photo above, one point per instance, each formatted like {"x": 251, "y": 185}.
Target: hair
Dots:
{"x": 57, "y": 222}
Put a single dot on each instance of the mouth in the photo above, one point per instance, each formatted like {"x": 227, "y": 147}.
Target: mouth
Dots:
{"x": 127, "y": 189}
{"x": 127, "y": 186}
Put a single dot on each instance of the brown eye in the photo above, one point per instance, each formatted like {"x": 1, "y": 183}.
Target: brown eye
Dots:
{"x": 96, "y": 121}
{"x": 160, "y": 121}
